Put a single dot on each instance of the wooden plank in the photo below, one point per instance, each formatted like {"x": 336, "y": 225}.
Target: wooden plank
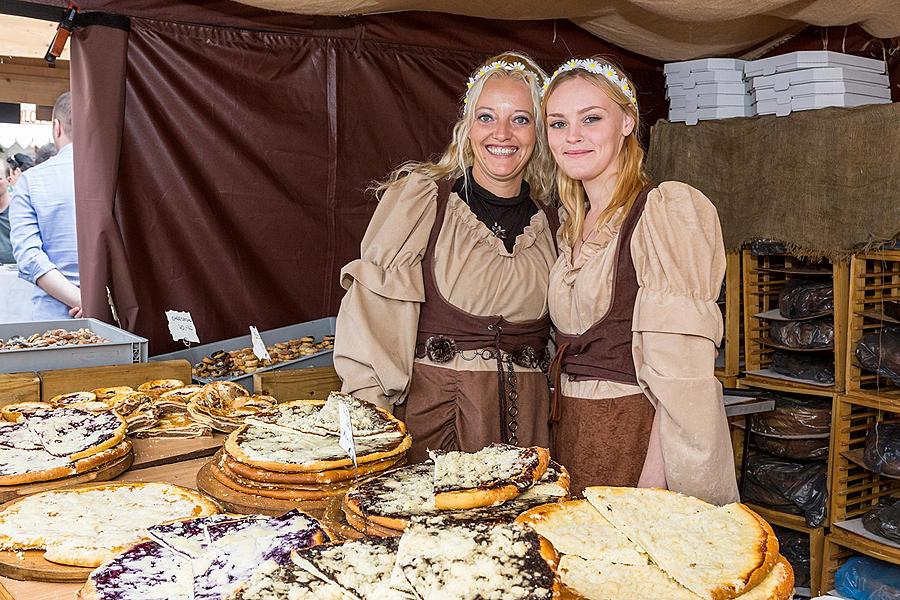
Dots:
{"x": 23, "y": 36}
{"x": 152, "y": 452}
{"x": 64, "y": 381}
{"x": 19, "y": 387}
{"x": 39, "y": 590}
{"x": 732, "y": 313}
{"x": 4, "y": 593}
{"x": 32, "y": 80}
{"x": 297, "y": 384}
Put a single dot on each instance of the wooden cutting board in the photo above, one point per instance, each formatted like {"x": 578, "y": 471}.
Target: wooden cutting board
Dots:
{"x": 102, "y": 473}
{"x": 30, "y": 565}
{"x": 246, "y": 504}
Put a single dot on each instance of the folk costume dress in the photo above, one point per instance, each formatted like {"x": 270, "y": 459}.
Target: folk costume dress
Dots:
{"x": 637, "y": 325}
{"x": 432, "y": 304}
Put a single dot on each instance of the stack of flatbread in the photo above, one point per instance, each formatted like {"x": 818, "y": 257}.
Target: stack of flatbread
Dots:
{"x": 223, "y": 405}
{"x": 433, "y": 559}
{"x": 494, "y": 485}
{"x": 43, "y": 443}
{"x": 293, "y": 452}
{"x": 633, "y": 544}
{"x": 203, "y": 558}
{"x": 85, "y": 526}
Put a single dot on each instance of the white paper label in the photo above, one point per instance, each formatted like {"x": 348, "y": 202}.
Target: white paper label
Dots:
{"x": 259, "y": 348}
{"x": 181, "y": 326}
{"x": 346, "y": 427}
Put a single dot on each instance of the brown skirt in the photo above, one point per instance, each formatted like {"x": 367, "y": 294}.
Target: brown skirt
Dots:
{"x": 448, "y": 409}
{"x": 603, "y": 441}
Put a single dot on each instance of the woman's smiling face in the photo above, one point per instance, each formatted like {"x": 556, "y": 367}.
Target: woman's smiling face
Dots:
{"x": 502, "y": 135}
{"x": 585, "y": 130}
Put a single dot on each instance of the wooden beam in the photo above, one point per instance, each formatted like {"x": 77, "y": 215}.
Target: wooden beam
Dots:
{"x": 24, "y": 37}
{"x": 32, "y": 80}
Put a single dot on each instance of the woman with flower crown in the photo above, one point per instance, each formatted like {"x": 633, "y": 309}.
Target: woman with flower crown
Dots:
{"x": 633, "y": 298}
{"x": 445, "y": 318}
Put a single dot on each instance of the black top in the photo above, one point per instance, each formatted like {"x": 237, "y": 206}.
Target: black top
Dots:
{"x": 506, "y": 218}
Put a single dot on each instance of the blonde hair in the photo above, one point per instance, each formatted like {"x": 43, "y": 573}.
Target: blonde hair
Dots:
{"x": 458, "y": 156}
{"x": 631, "y": 179}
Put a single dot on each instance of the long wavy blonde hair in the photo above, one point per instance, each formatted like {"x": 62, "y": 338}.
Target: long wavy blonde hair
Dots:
{"x": 458, "y": 156}
{"x": 631, "y": 179}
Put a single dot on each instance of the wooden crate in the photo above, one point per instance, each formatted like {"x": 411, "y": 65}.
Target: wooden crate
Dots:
{"x": 874, "y": 279}
{"x": 64, "y": 381}
{"x": 816, "y": 540}
{"x": 732, "y": 344}
{"x": 297, "y": 384}
{"x": 19, "y": 387}
{"x": 855, "y": 489}
{"x": 763, "y": 279}
{"x": 841, "y": 545}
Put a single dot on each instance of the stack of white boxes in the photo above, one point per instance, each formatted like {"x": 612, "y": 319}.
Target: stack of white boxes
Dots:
{"x": 710, "y": 88}
{"x": 815, "y": 79}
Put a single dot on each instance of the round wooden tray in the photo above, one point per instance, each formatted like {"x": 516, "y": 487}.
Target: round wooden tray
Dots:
{"x": 102, "y": 473}
{"x": 248, "y": 504}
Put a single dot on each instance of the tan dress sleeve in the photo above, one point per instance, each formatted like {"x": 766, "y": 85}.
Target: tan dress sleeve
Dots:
{"x": 679, "y": 258}
{"x": 376, "y": 328}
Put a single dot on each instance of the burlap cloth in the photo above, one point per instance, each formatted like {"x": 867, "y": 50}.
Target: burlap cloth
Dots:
{"x": 824, "y": 182}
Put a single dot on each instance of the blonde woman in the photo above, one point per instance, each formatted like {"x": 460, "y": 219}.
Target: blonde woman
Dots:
{"x": 632, "y": 296}
{"x": 445, "y": 317}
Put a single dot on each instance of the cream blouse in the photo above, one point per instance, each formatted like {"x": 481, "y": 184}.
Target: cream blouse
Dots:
{"x": 679, "y": 258}
{"x": 377, "y": 323}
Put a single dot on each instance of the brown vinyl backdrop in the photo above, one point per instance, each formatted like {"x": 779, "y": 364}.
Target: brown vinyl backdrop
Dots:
{"x": 221, "y": 170}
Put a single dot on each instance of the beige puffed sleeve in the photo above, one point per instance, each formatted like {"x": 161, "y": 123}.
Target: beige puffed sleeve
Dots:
{"x": 375, "y": 338}
{"x": 679, "y": 258}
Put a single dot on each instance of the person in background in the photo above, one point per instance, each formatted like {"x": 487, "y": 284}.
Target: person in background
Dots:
{"x": 6, "y": 255}
{"x": 42, "y": 225}
{"x": 445, "y": 317}
{"x": 44, "y": 152}
{"x": 18, "y": 164}
{"x": 633, "y": 297}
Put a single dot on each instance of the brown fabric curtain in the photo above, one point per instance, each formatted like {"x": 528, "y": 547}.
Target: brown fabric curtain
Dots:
{"x": 97, "y": 79}
{"x": 824, "y": 182}
{"x": 237, "y": 191}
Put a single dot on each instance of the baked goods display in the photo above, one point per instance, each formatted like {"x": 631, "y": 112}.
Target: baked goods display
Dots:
{"x": 628, "y": 543}
{"x": 432, "y": 559}
{"x": 223, "y": 405}
{"x": 236, "y": 363}
{"x": 203, "y": 558}
{"x": 384, "y": 505}
{"x": 292, "y": 452}
{"x": 52, "y": 338}
{"x": 45, "y": 444}
{"x": 86, "y": 526}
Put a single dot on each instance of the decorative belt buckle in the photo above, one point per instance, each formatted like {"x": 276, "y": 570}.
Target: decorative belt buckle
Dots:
{"x": 440, "y": 349}
{"x": 526, "y": 357}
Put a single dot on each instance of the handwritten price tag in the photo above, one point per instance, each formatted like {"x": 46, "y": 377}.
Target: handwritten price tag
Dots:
{"x": 346, "y": 427}
{"x": 259, "y": 348}
{"x": 181, "y": 326}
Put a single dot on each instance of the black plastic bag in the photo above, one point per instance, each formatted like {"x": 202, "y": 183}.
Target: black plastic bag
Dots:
{"x": 884, "y": 520}
{"x": 882, "y": 453}
{"x": 802, "y": 484}
{"x": 767, "y": 248}
{"x": 804, "y": 335}
{"x": 880, "y": 352}
{"x": 803, "y": 449}
{"x": 793, "y": 416}
{"x": 802, "y": 298}
{"x": 802, "y": 366}
{"x": 794, "y": 547}
{"x": 865, "y": 578}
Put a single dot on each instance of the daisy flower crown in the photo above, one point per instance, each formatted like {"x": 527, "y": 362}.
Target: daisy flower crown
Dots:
{"x": 592, "y": 66}
{"x": 498, "y": 65}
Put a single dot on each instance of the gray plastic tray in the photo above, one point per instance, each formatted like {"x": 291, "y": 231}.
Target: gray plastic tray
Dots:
{"x": 123, "y": 347}
{"x": 316, "y": 329}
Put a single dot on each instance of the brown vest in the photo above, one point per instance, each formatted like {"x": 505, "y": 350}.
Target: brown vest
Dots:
{"x": 438, "y": 317}
{"x": 438, "y": 320}
{"x": 604, "y": 350}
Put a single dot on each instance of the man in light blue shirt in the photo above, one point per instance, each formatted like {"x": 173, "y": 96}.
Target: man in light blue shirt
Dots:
{"x": 42, "y": 225}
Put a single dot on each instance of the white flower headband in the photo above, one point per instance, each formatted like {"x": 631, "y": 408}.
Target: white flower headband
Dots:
{"x": 592, "y": 66}
{"x": 498, "y": 65}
